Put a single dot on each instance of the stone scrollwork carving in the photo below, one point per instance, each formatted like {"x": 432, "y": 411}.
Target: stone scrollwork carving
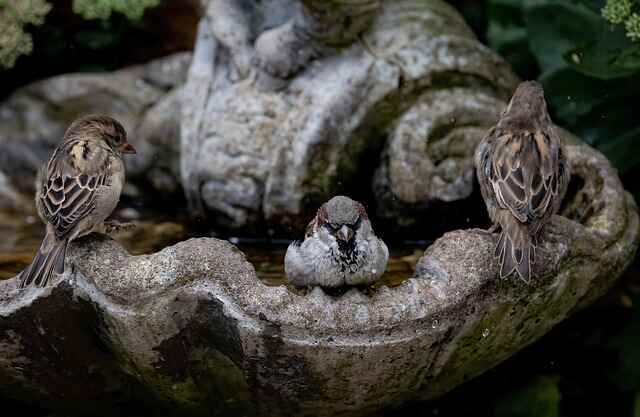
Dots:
{"x": 251, "y": 154}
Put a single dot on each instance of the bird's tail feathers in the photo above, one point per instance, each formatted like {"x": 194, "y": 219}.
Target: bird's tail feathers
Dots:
{"x": 48, "y": 260}
{"x": 516, "y": 250}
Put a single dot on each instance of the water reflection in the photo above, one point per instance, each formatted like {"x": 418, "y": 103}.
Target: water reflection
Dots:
{"x": 268, "y": 260}
{"x": 21, "y": 237}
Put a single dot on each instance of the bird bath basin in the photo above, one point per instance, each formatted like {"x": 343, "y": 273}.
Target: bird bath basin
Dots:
{"x": 193, "y": 329}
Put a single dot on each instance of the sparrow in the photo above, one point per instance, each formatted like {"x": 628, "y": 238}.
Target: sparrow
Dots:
{"x": 523, "y": 173}
{"x": 77, "y": 190}
{"x": 340, "y": 248}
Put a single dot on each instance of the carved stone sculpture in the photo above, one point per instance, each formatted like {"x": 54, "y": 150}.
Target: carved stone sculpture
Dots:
{"x": 251, "y": 154}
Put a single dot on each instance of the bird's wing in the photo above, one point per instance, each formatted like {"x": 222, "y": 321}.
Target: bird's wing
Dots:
{"x": 68, "y": 191}
{"x": 297, "y": 268}
{"x": 564, "y": 175}
{"x": 524, "y": 175}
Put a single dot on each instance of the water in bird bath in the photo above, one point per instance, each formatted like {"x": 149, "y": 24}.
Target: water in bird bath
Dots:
{"x": 21, "y": 236}
{"x": 268, "y": 260}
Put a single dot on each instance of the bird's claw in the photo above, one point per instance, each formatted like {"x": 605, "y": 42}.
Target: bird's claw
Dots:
{"x": 553, "y": 233}
{"x": 114, "y": 226}
{"x": 490, "y": 231}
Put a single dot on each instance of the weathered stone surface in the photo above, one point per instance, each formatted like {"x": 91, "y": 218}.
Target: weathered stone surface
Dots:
{"x": 144, "y": 98}
{"x": 254, "y": 158}
{"x": 250, "y": 155}
{"x": 428, "y": 157}
{"x": 426, "y": 181}
{"x": 191, "y": 329}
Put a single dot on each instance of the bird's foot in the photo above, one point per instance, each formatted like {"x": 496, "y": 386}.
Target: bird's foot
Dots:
{"x": 490, "y": 231}
{"x": 115, "y": 226}
{"x": 553, "y": 233}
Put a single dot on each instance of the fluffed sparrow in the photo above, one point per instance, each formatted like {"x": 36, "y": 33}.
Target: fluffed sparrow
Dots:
{"x": 340, "y": 248}
{"x": 523, "y": 175}
{"x": 77, "y": 190}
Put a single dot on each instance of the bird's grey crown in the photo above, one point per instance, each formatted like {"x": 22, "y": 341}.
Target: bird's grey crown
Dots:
{"x": 342, "y": 210}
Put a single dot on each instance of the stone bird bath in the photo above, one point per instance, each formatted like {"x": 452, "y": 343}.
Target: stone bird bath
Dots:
{"x": 191, "y": 330}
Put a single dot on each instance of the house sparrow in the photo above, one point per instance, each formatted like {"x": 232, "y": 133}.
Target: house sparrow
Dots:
{"x": 523, "y": 175}
{"x": 340, "y": 248}
{"x": 77, "y": 190}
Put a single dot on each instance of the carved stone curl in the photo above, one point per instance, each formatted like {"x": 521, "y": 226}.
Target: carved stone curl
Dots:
{"x": 251, "y": 154}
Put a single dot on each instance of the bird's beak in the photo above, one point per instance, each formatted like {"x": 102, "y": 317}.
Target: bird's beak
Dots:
{"x": 127, "y": 148}
{"x": 345, "y": 234}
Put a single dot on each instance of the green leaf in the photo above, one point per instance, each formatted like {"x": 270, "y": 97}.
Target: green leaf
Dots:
{"x": 595, "y": 5}
{"x": 511, "y": 43}
{"x": 558, "y": 27}
{"x": 629, "y": 59}
{"x": 623, "y": 150}
{"x": 566, "y": 94}
{"x": 507, "y": 34}
{"x": 600, "y": 59}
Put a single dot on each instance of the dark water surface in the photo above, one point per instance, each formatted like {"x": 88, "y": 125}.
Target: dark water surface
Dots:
{"x": 20, "y": 237}
{"x": 268, "y": 260}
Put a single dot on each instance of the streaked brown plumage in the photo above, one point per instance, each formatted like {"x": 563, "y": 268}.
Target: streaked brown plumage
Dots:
{"x": 77, "y": 190}
{"x": 523, "y": 175}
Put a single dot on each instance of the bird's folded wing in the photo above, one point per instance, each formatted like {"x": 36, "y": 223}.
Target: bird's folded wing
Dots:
{"x": 524, "y": 177}
{"x": 67, "y": 196}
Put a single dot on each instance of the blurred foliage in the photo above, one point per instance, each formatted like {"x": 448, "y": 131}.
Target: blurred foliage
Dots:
{"x": 68, "y": 42}
{"x": 624, "y": 12}
{"x": 102, "y": 9}
{"x": 15, "y": 15}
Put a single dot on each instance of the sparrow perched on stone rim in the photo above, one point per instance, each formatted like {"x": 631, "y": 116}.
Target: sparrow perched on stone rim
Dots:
{"x": 77, "y": 190}
{"x": 340, "y": 248}
{"x": 523, "y": 174}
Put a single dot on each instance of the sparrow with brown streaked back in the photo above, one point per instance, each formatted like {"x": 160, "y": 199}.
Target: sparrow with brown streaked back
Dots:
{"x": 77, "y": 190}
{"x": 340, "y": 248}
{"x": 523, "y": 175}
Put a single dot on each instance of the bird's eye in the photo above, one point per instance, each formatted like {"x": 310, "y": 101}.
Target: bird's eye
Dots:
{"x": 117, "y": 139}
